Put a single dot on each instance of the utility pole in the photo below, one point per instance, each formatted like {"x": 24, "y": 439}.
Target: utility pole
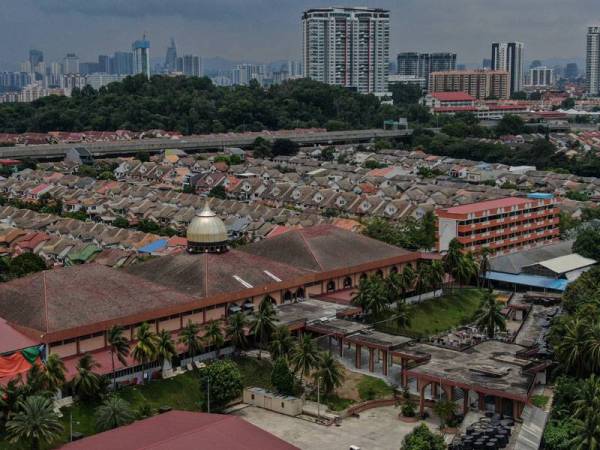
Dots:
{"x": 208, "y": 394}
{"x": 318, "y": 397}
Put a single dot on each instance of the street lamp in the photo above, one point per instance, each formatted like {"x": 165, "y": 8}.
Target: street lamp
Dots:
{"x": 208, "y": 394}
{"x": 318, "y": 397}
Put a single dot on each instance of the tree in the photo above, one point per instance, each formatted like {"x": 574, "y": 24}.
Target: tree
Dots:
{"x": 189, "y": 337}
{"x": 263, "y": 324}
{"x": 236, "y": 330}
{"x": 282, "y": 377}
{"x": 329, "y": 373}
{"x": 453, "y": 257}
{"x": 572, "y": 347}
{"x": 213, "y": 335}
{"x": 405, "y": 94}
{"x": 510, "y": 124}
{"x": 281, "y": 343}
{"x": 445, "y": 410}
{"x": 35, "y": 422}
{"x": 120, "y": 222}
{"x": 490, "y": 317}
{"x": 54, "y": 373}
{"x": 86, "y": 383}
{"x": 261, "y": 148}
{"x": 224, "y": 381}
{"x": 467, "y": 269}
{"x": 568, "y": 103}
{"x": 305, "y": 356}
{"x": 408, "y": 279}
{"x": 327, "y": 154}
{"x": 165, "y": 347}
{"x": 484, "y": 265}
{"x": 436, "y": 274}
{"x": 26, "y": 263}
{"x": 518, "y": 95}
{"x": 421, "y": 438}
{"x": 218, "y": 192}
{"x": 587, "y": 243}
{"x": 372, "y": 295}
{"x": 113, "y": 413}
{"x": 401, "y": 314}
{"x": 284, "y": 147}
{"x": 119, "y": 347}
{"x": 144, "y": 350}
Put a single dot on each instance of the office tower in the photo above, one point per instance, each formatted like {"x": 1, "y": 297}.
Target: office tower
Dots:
{"x": 242, "y": 74}
{"x": 592, "y": 62}
{"x": 103, "y": 64}
{"x": 541, "y": 76}
{"x": 347, "y": 47}
{"x": 179, "y": 65}
{"x": 509, "y": 56}
{"x": 572, "y": 71}
{"x": 481, "y": 84}
{"x": 87, "y": 68}
{"x": 25, "y": 66}
{"x": 35, "y": 57}
{"x": 171, "y": 57}
{"x": 486, "y": 63}
{"x": 71, "y": 64}
{"x": 121, "y": 63}
{"x": 293, "y": 69}
{"x": 190, "y": 65}
{"x": 141, "y": 56}
{"x": 420, "y": 65}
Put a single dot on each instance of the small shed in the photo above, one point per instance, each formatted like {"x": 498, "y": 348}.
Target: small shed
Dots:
{"x": 282, "y": 404}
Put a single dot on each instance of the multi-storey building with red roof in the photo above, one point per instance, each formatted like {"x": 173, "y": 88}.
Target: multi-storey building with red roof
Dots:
{"x": 504, "y": 225}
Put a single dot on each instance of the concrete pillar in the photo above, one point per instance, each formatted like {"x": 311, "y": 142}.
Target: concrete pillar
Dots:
{"x": 516, "y": 410}
{"x": 434, "y": 391}
{"x": 329, "y": 343}
{"x": 385, "y": 362}
{"x": 465, "y": 401}
{"x": 422, "y": 398}
{"x": 481, "y": 401}
{"x": 498, "y": 404}
{"x": 341, "y": 346}
{"x": 358, "y": 356}
{"x": 404, "y": 374}
{"x": 371, "y": 360}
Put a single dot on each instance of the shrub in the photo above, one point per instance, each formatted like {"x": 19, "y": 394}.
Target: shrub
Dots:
{"x": 282, "y": 378}
{"x": 225, "y": 383}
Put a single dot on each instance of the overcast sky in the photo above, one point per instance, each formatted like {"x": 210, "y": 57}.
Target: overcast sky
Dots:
{"x": 266, "y": 30}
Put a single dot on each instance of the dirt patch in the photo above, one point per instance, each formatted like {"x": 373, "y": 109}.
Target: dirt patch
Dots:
{"x": 349, "y": 388}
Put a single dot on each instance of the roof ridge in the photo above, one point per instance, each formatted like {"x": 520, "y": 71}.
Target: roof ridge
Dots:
{"x": 46, "y": 327}
{"x": 309, "y": 249}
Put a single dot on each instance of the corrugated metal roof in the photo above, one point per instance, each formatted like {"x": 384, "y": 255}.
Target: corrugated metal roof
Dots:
{"x": 567, "y": 263}
{"x": 532, "y": 430}
{"x": 154, "y": 246}
{"x": 529, "y": 280}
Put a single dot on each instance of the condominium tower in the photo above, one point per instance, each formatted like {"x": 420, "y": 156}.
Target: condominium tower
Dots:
{"x": 347, "y": 47}
{"x": 141, "y": 57}
{"x": 509, "y": 56}
{"x": 420, "y": 65}
{"x": 481, "y": 84}
{"x": 592, "y": 63}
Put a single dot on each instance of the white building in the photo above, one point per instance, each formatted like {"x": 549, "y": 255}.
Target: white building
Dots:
{"x": 540, "y": 77}
{"x": 71, "y": 64}
{"x": 97, "y": 80}
{"x": 242, "y": 74}
{"x": 347, "y": 47}
{"x": 407, "y": 79}
{"x": 509, "y": 56}
{"x": 592, "y": 63}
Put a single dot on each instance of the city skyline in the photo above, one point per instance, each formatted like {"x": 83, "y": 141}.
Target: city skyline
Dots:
{"x": 246, "y": 30}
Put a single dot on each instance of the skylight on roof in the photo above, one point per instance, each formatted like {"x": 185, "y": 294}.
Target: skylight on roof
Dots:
{"x": 242, "y": 282}
{"x": 272, "y": 276}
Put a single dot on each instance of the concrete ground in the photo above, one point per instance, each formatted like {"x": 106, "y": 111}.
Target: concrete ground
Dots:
{"x": 376, "y": 429}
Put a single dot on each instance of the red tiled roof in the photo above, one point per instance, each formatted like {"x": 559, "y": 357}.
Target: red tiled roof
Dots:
{"x": 177, "y": 430}
{"x": 452, "y": 97}
{"x": 12, "y": 339}
{"x": 489, "y": 204}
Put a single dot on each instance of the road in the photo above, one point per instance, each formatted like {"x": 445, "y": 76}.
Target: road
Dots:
{"x": 196, "y": 143}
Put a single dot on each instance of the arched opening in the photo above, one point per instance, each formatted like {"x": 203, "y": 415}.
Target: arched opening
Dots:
{"x": 379, "y": 273}
{"x": 363, "y": 276}
{"x": 330, "y": 286}
{"x": 394, "y": 269}
{"x": 287, "y": 297}
{"x": 300, "y": 293}
{"x": 347, "y": 282}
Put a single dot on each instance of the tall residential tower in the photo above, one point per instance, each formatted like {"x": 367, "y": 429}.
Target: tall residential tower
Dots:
{"x": 141, "y": 56}
{"x": 509, "y": 56}
{"x": 592, "y": 63}
{"x": 347, "y": 47}
{"x": 420, "y": 65}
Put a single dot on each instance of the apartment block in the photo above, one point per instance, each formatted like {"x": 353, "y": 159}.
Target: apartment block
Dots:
{"x": 481, "y": 84}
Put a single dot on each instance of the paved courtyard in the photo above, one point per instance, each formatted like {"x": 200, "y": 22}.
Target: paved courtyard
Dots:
{"x": 376, "y": 429}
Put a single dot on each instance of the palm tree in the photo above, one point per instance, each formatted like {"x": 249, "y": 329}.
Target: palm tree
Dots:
{"x": 484, "y": 265}
{"x": 453, "y": 258}
{"x": 263, "y": 324}
{"x": 490, "y": 316}
{"x": 468, "y": 269}
{"x": 572, "y": 348}
{"x": 588, "y": 400}
{"x": 213, "y": 335}
{"x": 113, "y": 413}
{"x": 165, "y": 347}
{"x": 36, "y": 381}
{"x": 401, "y": 314}
{"x": 436, "y": 274}
{"x": 236, "y": 331}
{"x": 329, "y": 373}
{"x": 593, "y": 347}
{"x": 423, "y": 279}
{"x": 445, "y": 410}
{"x": 86, "y": 382}
{"x": 119, "y": 347}
{"x": 282, "y": 343}
{"x": 189, "y": 337}
{"x": 10, "y": 395}
{"x": 34, "y": 421}
{"x": 372, "y": 295}
{"x": 305, "y": 356}
{"x": 144, "y": 350}
{"x": 408, "y": 279}
{"x": 586, "y": 433}
{"x": 54, "y": 373}
{"x": 395, "y": 287}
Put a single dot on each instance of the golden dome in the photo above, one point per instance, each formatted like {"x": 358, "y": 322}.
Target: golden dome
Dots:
{"x": 206, "y": 229}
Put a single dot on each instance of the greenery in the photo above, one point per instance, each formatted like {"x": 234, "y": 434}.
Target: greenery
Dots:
{"x": 35, "y": 422}
{"x": 329, "y": 373}
{"x": 21, "y": 265}
{"x": 540, "y": 400}
{"x": 422, "y": 438}
{"x": 282, "y": 377}
{"x": 371, "y": 388}
{"x": 587, "y": 242}
{"x": 410, "y": 234}
{"x": 490, "y": 318}
{"x": 305, "y": 356}
{"x": 446, "y": 411}
{"x": 113, "y": 413}
{"x": 223, "y": 381}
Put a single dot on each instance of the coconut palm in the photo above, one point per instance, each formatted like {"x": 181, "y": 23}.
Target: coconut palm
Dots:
{"x": 113, "y": 413}
{"x": 468, "y": 269}
{"x": 401, "y": 314}
{"x": 588, "y": 400}
{"x": 236, "y": 331}
{"x": 281, "y": 343}
{"x": 453, "y": 257}
{"x": 36, "y": 381}
{"x": 572, "y": 348}
{"x": 423, "y": 279}
{"x": 408, "y": 279}
{"x": 305, "y": 356}
{"x": 35, "y": 422}
{"x": 329, "y": 373}
{"x": 484, "y": 265}
{"x": 593, "y": 347}
{"x": 144, "y": 350}
{"x": 436, "y": 274}
{"x": 54, "y": 373}
{"x": 119, "y": 347}
{"x": 263, "y": 324}
{"x": 189, "y": 337}
{"x": 371, "y": 296}
{"x": 165, "y": 347}
{"x": 394, "y": 287}
{"x": 213, "y": 335}
{"x": 490, "y": 317}
{"x": 10, "y": 395}
{"x": 587, "y": 436}
{"x": 86, "y": 383}
{"x": 445, "y": 410}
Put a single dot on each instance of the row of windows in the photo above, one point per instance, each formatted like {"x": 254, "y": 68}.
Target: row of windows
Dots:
{"x": 502, "y": 228}
{"x": 506, "y": 215}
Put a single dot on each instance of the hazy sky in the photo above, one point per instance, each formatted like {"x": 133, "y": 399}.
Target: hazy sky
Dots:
{"x": 264, "y": 30}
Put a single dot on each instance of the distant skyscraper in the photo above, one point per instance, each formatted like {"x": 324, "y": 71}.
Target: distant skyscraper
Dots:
{"x": 141, "y": 57}
{"x": 171, "y": 57}
{"x": 509, "y": 56}
{"x": 242, "y": 74}
{"x": 191, "y": 65}
{"x": 481, "y": 84}
{"x": 71, "y": 64}
{"x": 121, "y": 63}
{"x": 486, "y": 63}
{"x": 347, "y": 47}
{"x": 103, "y": 64}
{"x": 592, "y": 63}
{"x": 541, "y": 76}
{"x": 35, "y": 57}
{"x": 420, "y": 65}
{"x": 572, "y": 71}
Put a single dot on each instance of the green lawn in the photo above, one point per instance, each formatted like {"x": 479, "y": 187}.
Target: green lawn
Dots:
{"x": 440, "y": 314}
{"x": 182, "y": 392}
{"x": 371, "y": 388}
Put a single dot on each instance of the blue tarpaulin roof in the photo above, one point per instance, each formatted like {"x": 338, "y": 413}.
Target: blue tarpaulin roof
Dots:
{"x": 529, "y": 280}
{"x": 159, "y": 244}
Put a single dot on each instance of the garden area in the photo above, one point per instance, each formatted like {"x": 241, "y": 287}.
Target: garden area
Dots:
{"x": 455, "y": 308}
